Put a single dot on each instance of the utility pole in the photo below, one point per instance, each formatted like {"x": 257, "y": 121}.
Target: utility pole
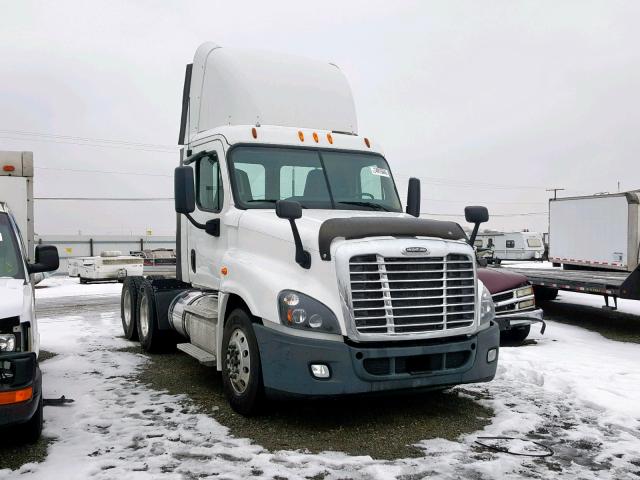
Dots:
{"x": 555, "y": 192}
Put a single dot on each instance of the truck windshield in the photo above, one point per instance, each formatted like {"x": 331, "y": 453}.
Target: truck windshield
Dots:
{"x": 320, "y": 179}
{"x": 10, "y": 257}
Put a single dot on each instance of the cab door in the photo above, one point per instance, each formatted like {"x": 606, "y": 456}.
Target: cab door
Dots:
{"x": 205, "y": 251}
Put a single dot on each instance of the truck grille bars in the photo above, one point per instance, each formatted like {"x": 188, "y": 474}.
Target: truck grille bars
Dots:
{"x": 400, "y": 295}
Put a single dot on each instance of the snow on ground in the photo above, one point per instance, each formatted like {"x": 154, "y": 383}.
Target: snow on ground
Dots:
{"x": 59, "y": 286}
{"x": 574, "y": 391}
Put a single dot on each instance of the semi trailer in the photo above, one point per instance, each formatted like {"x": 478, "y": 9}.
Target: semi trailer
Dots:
{"x": 594, "y": 244}
{"x": 21, "y": 402}
{"x": 298, "y": 271}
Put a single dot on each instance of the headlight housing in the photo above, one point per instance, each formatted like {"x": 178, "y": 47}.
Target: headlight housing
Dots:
{"x": 524, "y": 291}
{"x": 305, "y": 313}
{"x": 7, "y": 342}
{"x": 487, "y": 308}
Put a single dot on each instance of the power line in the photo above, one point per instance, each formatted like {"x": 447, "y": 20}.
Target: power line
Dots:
{"x": 490, "y": 214}
{"x": 452, "y": 182}
{"x": 122, "y": 147}
{"x": 111, "y": 199}
{"x": 110, "y": 172}
{"x": 88, "y": 139}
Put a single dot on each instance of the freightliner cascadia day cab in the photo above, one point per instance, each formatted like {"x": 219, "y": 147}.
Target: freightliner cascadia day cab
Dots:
{"x": 298, "y": 273}
{"x": 21, "y": 402}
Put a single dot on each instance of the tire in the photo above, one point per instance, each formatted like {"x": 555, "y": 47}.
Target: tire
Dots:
{"x": 31, "y": 431}
{"x": 241, "y": 367}
{"x": 545, "y": 294}
{"x": 152, "y": 339}
{"x": 516, "y": 334}
{"x": 83, "y": 281}
{"x": 128, "y": 307}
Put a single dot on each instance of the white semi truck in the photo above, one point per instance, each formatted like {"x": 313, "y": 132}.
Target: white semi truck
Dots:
{"x": 21, "y": 402}
{"x": 298, "y": 273}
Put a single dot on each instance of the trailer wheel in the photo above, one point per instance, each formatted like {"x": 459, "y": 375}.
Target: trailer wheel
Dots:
{"x": 516, "y": 334}
{"x": 545, "y": 294}
{"x": 83, "y": 281}
{"x": 152, "y": 339}
{"x": 241, "y": 368}
{"x": 128, "y": 307}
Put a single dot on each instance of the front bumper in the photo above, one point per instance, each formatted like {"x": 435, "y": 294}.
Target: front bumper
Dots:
{"x": 508, "y": 321}
{"x": 287, "y": 359}
{"x": 20, "y": 370}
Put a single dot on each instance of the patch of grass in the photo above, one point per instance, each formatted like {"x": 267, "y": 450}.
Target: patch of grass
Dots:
{"x": 614, "y": 325}
{"x": 13, "y": 456}
{"x": 382, "y": 427}
{"x": 43, "y": 356}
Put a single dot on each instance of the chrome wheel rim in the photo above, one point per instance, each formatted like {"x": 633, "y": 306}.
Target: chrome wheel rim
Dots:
{"x": 144, "y": 316}
{"x": 238, "y": 361}
{"x": 127, "y": 309}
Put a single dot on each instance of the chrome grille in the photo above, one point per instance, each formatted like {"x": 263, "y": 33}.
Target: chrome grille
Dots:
{"x": 392, "y": 295}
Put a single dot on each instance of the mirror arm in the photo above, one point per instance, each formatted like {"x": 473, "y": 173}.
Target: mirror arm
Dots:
{"x": 193, "y": 221}
{"x": 303, "y": 258}
{"x": 474, "y": 234}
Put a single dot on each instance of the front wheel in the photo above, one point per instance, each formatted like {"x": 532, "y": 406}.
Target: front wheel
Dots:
{"x": 31, "y": 431}
{"x": 241, "y": 367}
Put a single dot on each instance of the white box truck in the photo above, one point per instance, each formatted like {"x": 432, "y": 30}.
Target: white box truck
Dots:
{"x": 298, "y": 272}
{"x": 21, "y": 402}
{"x": 595, "y": 243}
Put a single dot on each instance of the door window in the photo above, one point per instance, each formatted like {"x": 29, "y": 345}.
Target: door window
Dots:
{"x": 209, "y": 180}
{"x": 510, "y": 243}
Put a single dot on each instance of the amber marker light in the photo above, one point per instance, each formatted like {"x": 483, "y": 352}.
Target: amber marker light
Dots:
{"x": 315, "y": 137}
{"x": 224, "y": 271}
{"x": 367, "y": 143}
{"x": 301, "y": 135}
{"x": 16, "y": 396}
{"x": 8, "y": 168}
{"x": 330, "y": 138}
{"x": 254, "y": 132}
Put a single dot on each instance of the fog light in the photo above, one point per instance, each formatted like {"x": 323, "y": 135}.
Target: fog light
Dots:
{"x": 320, "y": 370}
{"x": 526, "y": 304}
{"x": 492, "y": 354}
{"x": 7, "y": 342}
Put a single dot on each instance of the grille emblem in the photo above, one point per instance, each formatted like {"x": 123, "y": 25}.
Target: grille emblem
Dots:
{"x": 415, "y": 250}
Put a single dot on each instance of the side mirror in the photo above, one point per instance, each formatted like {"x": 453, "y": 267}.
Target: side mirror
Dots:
{"x": 292, "y": 210}
{"x": 47, "y": 259}
{"x": 289, "y": 209}
{"x": 184, "y": 191}
{"x": 475, "y": 215}
{"x": 413, "y": 197}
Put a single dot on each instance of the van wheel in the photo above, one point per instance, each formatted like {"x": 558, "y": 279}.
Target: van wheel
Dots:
{"x": 516, "y": 334}
{"x": 31, "y": 431}
{"x": 128, "y": 304}
{"x": 152, "y": 339}
{"x": 241, "y": 368}
{"x": 83, "y": 281}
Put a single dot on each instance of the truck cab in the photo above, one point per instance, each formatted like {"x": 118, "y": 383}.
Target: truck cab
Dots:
{"x": 298, "y": 270}
{"x": 20, "y": 378}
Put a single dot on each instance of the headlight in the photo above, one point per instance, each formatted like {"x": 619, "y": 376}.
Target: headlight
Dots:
{"x": 7, "y": 342}
{"x": 524, "y": 291}
{"x": 487, "y": 308}
{"x": 303, "y": 312}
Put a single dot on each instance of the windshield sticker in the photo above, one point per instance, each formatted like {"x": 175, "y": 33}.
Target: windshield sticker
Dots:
{"x": 380, "y": 172}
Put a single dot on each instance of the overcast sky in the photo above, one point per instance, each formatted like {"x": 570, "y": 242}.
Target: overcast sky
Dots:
{"x": 486, "y": 102}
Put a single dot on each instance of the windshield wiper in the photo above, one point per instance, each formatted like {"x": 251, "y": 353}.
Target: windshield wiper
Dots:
{"x": 373, "y": 206}
{"x": 269, "y": 200}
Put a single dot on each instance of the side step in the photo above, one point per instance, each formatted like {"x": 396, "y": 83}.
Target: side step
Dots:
{"x": 205, "y": 358}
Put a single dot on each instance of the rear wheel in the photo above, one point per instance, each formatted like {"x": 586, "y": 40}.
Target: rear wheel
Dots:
{"x": 152, "y": 339}
{"x": 128, "y": 303}
{"x": 516, "y": 334}
{"x": 241, "y": 367}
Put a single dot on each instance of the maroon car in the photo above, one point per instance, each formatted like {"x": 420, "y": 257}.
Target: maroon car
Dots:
{"x": 514, "y": 302}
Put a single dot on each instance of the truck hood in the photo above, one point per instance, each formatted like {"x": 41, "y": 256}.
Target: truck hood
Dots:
{"x": 11, "y": 297}
{"x": 266, "y": 222}
{"x": 501, "y": 280}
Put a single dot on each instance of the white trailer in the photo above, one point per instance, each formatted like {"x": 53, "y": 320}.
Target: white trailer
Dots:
{"x": 512, "y": 245}
{"x": 16, "y": 188}
{"x": 110, "y": 265}
{"x": 600, "y": 231}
